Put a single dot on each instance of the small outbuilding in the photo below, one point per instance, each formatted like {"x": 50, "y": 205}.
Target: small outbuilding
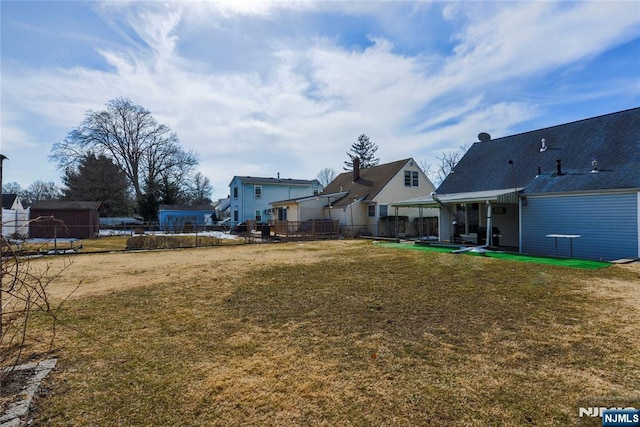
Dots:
{"x": 65, "y": 219}
{"x": 181, "y": 219}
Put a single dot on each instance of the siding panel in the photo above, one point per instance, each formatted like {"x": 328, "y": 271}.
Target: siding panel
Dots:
{"x": 608, "y": 225}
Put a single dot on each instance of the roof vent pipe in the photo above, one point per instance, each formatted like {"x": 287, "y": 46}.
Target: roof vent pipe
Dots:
{"x": 594, "y": 166}
{"x": 558, "y": 167}
{"x": 543, "y": 145}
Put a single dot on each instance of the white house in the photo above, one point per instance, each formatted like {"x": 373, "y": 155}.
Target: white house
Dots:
{"x": 360, "y": 200}
{"x": 15, "y": 218}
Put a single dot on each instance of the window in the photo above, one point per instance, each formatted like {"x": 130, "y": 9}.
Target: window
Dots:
{"x": 316, "y": 192}
{"x": 235, "y": 216}
{"x": 282, "y": 214}
{"x": 259, "y": 216}
{"x": 383, "y": 210}
{"x": 371, "y": 210}
{"x": 235, "y": 192}
{"x": 410, "y": 178}
{"x": 257, "y": 191}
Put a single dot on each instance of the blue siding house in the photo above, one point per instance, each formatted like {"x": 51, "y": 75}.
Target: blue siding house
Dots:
{"x": 571, "y": 190}
{"x": 251, "y": 197}
{"x": 179, "y": 218}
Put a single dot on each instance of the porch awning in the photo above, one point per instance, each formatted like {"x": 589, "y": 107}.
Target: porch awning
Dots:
{"x": 329, "y": 197}
{"x": 499, "y": 196}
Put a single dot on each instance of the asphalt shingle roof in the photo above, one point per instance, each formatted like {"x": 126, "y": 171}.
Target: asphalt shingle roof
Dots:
{"x": 8, "y": 199}
{"x": 65, "y": 205}
{"x": 372, "y": 181}
{"x": 612, "y": 140}
{"x": 275, "y": 181}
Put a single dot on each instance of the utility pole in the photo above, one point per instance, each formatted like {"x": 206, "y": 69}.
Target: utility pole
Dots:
{"x": 2, "y": 159}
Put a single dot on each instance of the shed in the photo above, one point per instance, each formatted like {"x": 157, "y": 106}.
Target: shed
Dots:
{"x": 180, "y": 218}
{"x": 65, "y": 219}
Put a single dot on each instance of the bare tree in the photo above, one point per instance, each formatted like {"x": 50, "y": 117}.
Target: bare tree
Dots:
{"x": 326, "y": 175}
{"x": 200, "y": 190}
{"x": 40, "y": 190}
{"x": 447, "y": 161}
{"x": 12, "y": 188}
{"x": 148, "y": 153}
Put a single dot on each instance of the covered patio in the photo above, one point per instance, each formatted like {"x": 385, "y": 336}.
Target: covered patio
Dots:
{"x": 488, "y": 218}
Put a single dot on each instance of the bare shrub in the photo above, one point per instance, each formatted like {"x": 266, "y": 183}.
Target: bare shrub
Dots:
{"x": 24, "y": 298}
{"x": 170, "y": 242}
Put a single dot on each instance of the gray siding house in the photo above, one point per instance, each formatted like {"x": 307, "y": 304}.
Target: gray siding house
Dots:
{"x": 579, "y": 181}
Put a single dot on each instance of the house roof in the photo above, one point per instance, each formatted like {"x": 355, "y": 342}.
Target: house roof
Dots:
{"x": 8, "y": 200}
{"x": 65, "y": 205}
{"x": 186, "y": 208}
{"x": 372, "y": 181}
{"x": 612, "y": 140}
{"x": 255, "y": 180}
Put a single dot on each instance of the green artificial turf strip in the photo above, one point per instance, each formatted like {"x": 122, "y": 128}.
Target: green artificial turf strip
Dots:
{"x": 563, "y": 262}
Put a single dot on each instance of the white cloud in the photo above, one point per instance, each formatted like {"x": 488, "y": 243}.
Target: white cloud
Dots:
{"x": 518, "y": 39}
{"x": 299, "y": 101}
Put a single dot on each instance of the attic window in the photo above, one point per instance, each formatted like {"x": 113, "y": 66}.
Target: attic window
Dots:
{"x": 411, "y": 178}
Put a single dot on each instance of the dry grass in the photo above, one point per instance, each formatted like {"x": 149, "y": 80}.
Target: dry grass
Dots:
{"x": 339, "y": 333}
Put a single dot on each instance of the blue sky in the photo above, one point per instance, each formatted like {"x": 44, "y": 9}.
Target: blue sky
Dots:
{"x": 265, "y": 87}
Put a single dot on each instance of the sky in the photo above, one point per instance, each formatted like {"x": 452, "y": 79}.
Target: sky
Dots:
{"x": 259, "y": 88}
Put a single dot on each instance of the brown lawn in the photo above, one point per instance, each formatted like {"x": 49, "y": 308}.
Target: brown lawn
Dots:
{"x": 336, "y": 333}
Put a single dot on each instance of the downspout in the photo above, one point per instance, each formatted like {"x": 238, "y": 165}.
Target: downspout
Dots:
{"x": 445, "y": 207}
{"x": 489, "y": 224}
{"x": 520, "y": 249}
{"x": 397, "y": 226}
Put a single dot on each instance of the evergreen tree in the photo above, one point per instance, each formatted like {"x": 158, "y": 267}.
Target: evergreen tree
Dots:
{"x": 98, "y": 178}
{"x": 149, "y": 205}
{"x": 365, "y": 150}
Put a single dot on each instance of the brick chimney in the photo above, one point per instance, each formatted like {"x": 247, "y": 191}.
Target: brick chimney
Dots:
{"x": 356, "y": 169}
